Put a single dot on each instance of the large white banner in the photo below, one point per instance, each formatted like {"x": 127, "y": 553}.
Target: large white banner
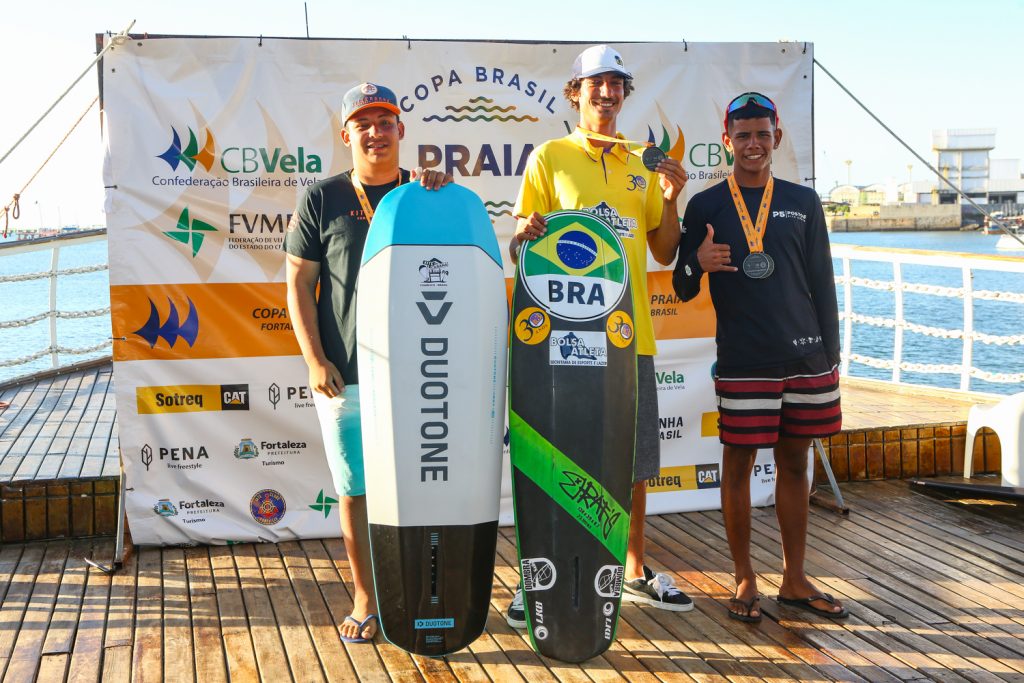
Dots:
{"x": 210, "y": 143}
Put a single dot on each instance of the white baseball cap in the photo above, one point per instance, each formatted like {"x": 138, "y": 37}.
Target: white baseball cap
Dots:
{"x": 598, "y": 59}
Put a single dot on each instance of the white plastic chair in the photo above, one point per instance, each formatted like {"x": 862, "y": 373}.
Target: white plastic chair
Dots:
{"x": 1006, "y": 419}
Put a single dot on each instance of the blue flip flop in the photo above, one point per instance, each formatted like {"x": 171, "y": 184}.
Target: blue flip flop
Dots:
{"x": 361, "y": 624}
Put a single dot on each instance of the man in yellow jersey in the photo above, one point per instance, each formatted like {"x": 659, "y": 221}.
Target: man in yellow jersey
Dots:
{"x": 324, "y": 245}
{"x": 588, "y": 170}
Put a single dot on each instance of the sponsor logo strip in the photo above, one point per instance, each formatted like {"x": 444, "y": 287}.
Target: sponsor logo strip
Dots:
{"x": 224, "y": 320}
{"x": 685, "y": 478}
{"x": 570, "y": 486}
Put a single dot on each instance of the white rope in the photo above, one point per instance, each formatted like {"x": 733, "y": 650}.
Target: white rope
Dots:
{"x": 119, "y": 39}
{"x": 64, "y": 315}
{"x": 938, "y": 332}
{"x": 43, "y": 274}
{"x": 55, "y": 349}
{"x": 935, "y": 290}
{"x": 935, "y": 368}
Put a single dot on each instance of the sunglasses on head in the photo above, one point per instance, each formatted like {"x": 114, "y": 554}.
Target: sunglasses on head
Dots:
{"x": 750, "y": 98}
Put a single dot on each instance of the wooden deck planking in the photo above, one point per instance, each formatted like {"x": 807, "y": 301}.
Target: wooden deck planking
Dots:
{"x": 927, "y": 603}
{"x": 62, "y": 427}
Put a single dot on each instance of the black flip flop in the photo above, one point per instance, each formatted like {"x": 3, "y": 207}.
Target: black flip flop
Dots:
{"x": 748, "y": 606}
{"x": 805, "y": 603}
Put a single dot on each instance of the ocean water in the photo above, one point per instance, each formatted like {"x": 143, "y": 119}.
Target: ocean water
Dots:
{"x": 990, "y": 317}
{"x": 90, "y": 291}
{"x": 82, "y": 292}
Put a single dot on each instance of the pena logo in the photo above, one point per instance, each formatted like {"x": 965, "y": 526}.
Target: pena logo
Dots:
{"x": 578, "y": 270}
{"x": 191, "y": 154}
{"x": 165, "y": 508}
{"x": 267, "y": 507}
{"x": 620, "y": 329}
{"x": 190, "y": 232}
{"x": 246, "y": 450}
{"x": 171, "y": 329}
{"x": 532, "y": 326}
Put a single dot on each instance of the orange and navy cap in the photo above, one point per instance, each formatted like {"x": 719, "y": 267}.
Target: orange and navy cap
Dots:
{"x": 365, "y": 96}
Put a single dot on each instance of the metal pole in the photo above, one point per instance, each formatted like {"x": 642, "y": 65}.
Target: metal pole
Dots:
{"x": 54, "y": 259}
{"x": 968, "y": 353}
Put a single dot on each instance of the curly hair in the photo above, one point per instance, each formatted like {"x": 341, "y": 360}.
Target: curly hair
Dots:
{"x": 572, "y": 87}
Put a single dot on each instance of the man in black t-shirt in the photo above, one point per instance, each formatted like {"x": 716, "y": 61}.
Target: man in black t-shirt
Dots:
{"x": 324, "y": 245}
{"x": 777, "y": 377}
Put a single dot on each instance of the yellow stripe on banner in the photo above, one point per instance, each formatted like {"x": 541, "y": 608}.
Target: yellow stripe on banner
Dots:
{"x": 685, "y": 478}
{"x": 184, "y": 398}
{"x": 709, "y": 424}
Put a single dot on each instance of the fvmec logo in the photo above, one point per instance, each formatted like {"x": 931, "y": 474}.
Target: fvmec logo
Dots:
{"x": 191, "y": 398}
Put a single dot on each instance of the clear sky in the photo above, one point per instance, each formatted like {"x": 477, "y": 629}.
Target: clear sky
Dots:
{"x": 919, "y": 65}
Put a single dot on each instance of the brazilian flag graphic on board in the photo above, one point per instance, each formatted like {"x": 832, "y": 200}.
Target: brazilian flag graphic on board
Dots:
{"x": 578, "y": 269}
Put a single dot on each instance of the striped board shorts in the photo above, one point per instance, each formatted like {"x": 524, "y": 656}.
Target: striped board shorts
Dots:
{"x": 798, "y": 400}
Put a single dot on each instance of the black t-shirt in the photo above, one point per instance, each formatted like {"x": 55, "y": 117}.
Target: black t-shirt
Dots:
{"x": 785, "y": 317}
{"x": 329, "y": 226}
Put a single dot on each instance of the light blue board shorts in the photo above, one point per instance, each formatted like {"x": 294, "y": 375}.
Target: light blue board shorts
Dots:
{"x": 343, "y": 439}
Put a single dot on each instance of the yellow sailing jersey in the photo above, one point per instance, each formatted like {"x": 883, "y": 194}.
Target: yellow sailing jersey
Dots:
{"x": 572, "y": 173}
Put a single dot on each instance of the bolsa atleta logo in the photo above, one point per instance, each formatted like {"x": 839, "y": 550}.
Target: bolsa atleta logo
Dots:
{"x": 578, "y": 270}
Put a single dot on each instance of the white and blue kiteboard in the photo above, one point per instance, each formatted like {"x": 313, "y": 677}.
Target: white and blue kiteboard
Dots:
{"x": 432, "y": 322}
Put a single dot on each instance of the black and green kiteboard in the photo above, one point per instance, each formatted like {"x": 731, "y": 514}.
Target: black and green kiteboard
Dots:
{"x": 572, "y": 418}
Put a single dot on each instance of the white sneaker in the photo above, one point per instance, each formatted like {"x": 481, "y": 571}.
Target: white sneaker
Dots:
{"x": 658, "y": 590}
{"x": 516, "y": 615}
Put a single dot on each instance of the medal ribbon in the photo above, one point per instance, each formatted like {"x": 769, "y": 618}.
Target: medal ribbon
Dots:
{"x": 601, "y": 137}
{"x": 754, "y": 232}
{"x": 361, "y": 195}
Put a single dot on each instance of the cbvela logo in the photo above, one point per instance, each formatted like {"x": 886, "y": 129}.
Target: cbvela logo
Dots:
{"x": 190, "y": 232}
{"x": 173, "y": 328}
{"x": 191, "y": 398}
{"x": 538, "y": 574}
{"x": 670, "y": 380}
{"x": 433, "y": 272}
{"x": 235, "y": 159}
{"x": 580, "y": 348}
{"x": 608, "y": 581}
{"x": 267, "y": 507}
{"x": 190, "y": 155}
{"x": 578, "y": 271}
